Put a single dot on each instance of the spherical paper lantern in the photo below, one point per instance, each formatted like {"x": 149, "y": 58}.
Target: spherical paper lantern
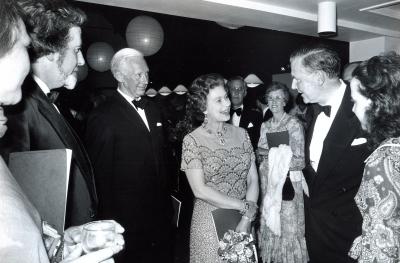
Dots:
{"x": 99, "y": 56}
{"x": 145, "y": 34}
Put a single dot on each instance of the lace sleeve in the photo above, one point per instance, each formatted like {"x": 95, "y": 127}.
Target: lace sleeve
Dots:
{"x": 248, "y": 147}
{"x": 296, "y": 142}
{"x": 191, "y": 157}
{"x": 262, "y": 142}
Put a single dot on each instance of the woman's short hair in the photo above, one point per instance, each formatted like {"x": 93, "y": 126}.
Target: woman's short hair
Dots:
{"x": 274, "y": 86}
{"x": 196, "y": 102}
{"x": 199, "y": 89}
{"x": 10, "y": 19}
{"x": 380, "y": 82}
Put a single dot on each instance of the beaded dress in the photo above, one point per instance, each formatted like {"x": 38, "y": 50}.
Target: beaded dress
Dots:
{"x": 225, "y": 161}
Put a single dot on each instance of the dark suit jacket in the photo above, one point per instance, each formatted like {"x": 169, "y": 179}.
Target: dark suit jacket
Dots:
{"x": 35, "y": 124}
{"x": 251, "y": 120}
{"x": 333, "y": 220}
{"x": 128, "y": 163}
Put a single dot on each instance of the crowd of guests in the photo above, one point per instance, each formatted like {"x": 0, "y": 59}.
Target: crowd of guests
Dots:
{"x": 317, "y": 183}
{"x": 329, "y": 181}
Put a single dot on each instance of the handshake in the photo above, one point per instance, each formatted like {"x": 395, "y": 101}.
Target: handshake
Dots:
{"x": 93, "y": 242}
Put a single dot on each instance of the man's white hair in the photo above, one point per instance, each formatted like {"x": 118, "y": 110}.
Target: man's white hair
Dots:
{"x": 121, "y": 56}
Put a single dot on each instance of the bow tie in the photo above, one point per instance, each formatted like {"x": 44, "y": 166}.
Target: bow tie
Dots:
{"x": 324, "y": 109}
{"x": 141, "y": 103}
{"x": 238, "y": 111}
{"x": 52, "y": 96}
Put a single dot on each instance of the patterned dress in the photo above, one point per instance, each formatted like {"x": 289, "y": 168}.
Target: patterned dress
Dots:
{"x": 290, "y": 247}
{"x": 379, "y": 202}
{"x": 225, "y": 169}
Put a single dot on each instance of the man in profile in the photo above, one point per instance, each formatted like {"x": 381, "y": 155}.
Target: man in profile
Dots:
{"x": 35, "y": 123}
{"x": 335, "y": 154}
{"x": 124, "y": 138}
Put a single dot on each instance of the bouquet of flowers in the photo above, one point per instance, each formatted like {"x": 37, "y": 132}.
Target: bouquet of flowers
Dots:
{"x": 237, "y": 248}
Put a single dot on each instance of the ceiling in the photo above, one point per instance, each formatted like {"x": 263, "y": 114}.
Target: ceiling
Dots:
{"x": 295, "y": 16}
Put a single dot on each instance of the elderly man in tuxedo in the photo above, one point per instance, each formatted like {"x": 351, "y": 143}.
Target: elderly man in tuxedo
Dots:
{"x": 35, "y": 123}
{"x": 335, "y": 154}
{"x": 125, "y": 142}
{"x": 241, "y": 115}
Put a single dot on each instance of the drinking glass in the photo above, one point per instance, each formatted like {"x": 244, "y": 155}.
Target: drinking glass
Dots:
{"x": 97, "y": 235}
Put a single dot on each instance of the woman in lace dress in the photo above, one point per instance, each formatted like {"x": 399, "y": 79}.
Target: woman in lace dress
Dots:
{"x": 219, "y": 163}
{"x": 287, "y": 242}
{"x": 375, "y": 89}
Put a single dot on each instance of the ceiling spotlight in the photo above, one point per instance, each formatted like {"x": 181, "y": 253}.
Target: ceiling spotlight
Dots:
{"x": 327, "y": 19}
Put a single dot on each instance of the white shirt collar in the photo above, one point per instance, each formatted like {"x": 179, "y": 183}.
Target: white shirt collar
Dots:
{"x": 41, "y": 84}
{"x": 337, "y": 98}
{"x": 126, "y": 96}
{"x": 241, "y": 107}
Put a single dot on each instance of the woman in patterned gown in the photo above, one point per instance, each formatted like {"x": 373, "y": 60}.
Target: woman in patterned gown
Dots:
{"x": 375, "y": 89}
{"x": 219, "y": 163}
{"x": 287, "y": 242}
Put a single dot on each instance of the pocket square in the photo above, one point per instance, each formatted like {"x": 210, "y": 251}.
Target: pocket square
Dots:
{"x": 250, "y": 125}
{"x": 358, "y": 141}
{"x": 158, "y": 124}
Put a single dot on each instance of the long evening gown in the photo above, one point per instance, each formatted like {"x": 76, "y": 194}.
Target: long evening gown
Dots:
{"x": 290, "y": 247}
{"x": 225, "y": 167}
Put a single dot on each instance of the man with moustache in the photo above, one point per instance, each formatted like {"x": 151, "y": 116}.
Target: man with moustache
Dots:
{"x": 124, "y": 138}
{"x": 35, "y": 123}
{"x": 335, "y": 152}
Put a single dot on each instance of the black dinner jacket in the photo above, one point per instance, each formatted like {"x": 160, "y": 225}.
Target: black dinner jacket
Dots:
{"x": 333, "y": 220}
{"x": 128, "y": 162}
{"x": 254, "y": 117}
{"x": 34, "y": 124}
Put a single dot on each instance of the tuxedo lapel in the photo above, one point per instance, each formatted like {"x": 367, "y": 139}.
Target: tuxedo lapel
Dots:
{"x": 64, "y": 131}
{"x": 130, "y": 113}
{"x": 244, "y": 118}
{"x": 343, "y": 130}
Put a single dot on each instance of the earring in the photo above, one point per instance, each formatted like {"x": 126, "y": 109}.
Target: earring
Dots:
{"x": 205, "y": 121}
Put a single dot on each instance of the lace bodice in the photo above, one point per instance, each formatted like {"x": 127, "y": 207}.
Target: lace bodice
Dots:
{"x": 225, "y": 166}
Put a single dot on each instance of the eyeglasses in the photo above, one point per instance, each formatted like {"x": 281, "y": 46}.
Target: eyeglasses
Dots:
{"x": 275, "y": 99}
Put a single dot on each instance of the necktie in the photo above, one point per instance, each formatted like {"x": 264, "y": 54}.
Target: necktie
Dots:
{"x": 52, "y": 96}
{"x": 325, "y": 109}
{"x": 141, "y": 103}
{"x": 238, "y": 111}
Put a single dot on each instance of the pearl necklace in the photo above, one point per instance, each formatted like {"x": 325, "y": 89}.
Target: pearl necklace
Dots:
{"x": 218, "y": 134}
{"x": 275, "y": 125}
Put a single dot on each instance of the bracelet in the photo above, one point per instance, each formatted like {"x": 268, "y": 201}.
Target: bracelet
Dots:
{"x": 249, "y": 209}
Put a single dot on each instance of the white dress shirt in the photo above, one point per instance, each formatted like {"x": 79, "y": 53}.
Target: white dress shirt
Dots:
{"x": 141, "y": 112}
{"x": 235, "y": 118}
{"x": 323, "y": 125}
{"x": 44, "y": 88}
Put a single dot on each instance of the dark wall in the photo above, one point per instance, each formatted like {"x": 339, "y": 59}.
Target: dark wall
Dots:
{"x": 193, "y": 47}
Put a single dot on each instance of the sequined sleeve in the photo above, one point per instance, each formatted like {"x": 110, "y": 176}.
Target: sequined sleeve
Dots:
{"x": 296, "y": 142}
{"x": 248, "y": 148}
{"x": 378, "y": 199}
{"x": 191, "y": 157}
